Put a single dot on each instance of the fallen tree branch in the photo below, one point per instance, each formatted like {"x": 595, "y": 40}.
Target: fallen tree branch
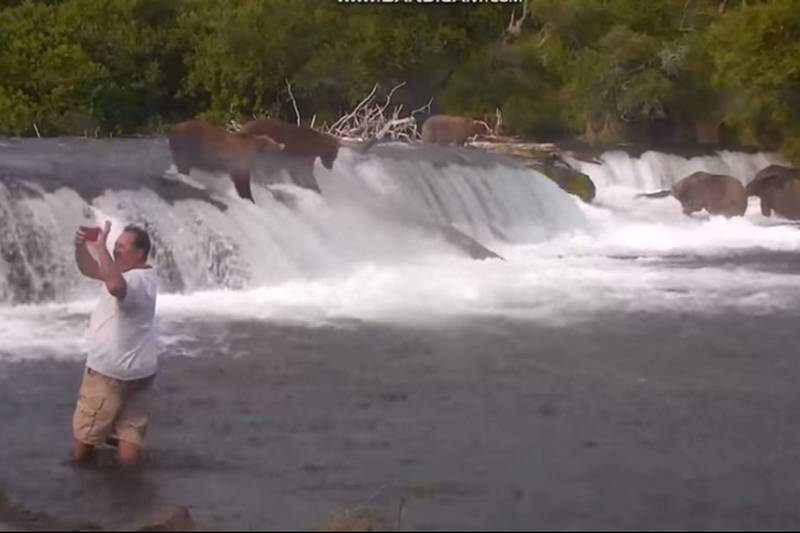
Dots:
{"x": 374, "y": 120}
{"x": 368, "y": 119}
{"x": 514, "y": 28}
{"x": 353, "y": 113}
{"x": 399, "y": 518}
{"x": 426, "y": 108}
{"x": 294, "y": 102}
{"x": 522, "y": 149}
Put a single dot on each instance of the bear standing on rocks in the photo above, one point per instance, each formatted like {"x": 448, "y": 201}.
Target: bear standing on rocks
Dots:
{"x": 302, "y": 146}
{"x": 199, "y": 144}
{"x": 298, "y": 141}
{"x": 447, "y": 129}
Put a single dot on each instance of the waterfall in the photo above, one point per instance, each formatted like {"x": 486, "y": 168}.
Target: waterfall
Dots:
{"x": 657, "y": 170}
{"x": 380, "y": 207}
{"x": 376, "y": 244}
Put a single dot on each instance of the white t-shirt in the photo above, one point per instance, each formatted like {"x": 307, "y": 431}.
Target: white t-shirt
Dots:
{"x": 122, "y": 338}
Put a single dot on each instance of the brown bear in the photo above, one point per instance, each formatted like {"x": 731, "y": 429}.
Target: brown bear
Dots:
{"x": 299, "y": 141}
{"x": 302, "y": 146}
{"x": 448, "y": 129}
{"x": 716, "y": 193}
{"x": 768, "y": 173}
{"x": 199, "y": 144}
{"x": 782, "y": 195}
{"x": 778, "y": 187}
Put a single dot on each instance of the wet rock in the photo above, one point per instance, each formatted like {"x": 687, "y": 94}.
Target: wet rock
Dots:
{"x": 169, "y": 519}
{"x": 545, "y": 158}
{"x": 466, "y": 243}
{"x": 566, "y": 177}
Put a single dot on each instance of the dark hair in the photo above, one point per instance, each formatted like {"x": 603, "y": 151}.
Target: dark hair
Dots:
{"x": 141, "y": 240}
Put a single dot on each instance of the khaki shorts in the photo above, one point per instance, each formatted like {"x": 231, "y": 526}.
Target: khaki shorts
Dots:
{"x": 108, "y": 407}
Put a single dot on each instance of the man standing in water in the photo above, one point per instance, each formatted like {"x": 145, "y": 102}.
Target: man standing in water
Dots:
{"x": 115, "y": 394}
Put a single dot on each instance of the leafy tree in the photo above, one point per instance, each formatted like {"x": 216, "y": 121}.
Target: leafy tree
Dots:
{"x": 46, "y": 77}
{"x": 615, "y": 69}
{"x": 141, "y": 54}
{"x": 756, "y": 52}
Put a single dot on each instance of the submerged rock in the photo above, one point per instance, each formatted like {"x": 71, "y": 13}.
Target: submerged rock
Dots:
{"x": 469, "y": 245}
{"x": 168, "y": 519}
{"x": 545, "y": 158}
{"x": 14, "y": 517}
{"x": 566, "y": 177}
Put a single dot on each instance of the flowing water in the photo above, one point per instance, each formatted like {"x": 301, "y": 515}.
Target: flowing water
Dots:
{"x": 365, "y": 249}
{"x": 363, "y": 277}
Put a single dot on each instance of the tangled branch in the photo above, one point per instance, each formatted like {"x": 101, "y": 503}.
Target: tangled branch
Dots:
{"x": 371, "y": 119}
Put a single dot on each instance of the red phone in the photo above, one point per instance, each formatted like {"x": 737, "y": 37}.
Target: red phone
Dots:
{"x": 90, "y": 234}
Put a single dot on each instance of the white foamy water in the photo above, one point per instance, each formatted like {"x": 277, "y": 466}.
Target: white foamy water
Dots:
{"x": 655, "y": 170}
{"x": 355, "y": 255}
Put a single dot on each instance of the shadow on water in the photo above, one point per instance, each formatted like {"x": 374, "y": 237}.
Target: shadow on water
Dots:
{"x": 123, "y": 495}
{"x": 753, "y": 259}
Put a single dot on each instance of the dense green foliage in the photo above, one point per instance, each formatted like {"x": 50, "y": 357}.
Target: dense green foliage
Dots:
{"x": 655, "y": 71}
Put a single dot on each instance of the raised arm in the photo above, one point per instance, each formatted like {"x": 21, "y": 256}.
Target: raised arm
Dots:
{"x": 86, "y": 263}
{"x": 108, "y": 272}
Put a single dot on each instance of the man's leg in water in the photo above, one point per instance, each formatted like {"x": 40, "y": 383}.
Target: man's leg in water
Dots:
{"x": 81, "y": 452}
{"x": 130, "y": 428}
{"x": 99, "y": 402}
{"x": 128, "y": 453}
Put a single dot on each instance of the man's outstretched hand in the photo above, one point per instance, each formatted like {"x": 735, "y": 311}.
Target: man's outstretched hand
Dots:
{"x": 102, "y": 237}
